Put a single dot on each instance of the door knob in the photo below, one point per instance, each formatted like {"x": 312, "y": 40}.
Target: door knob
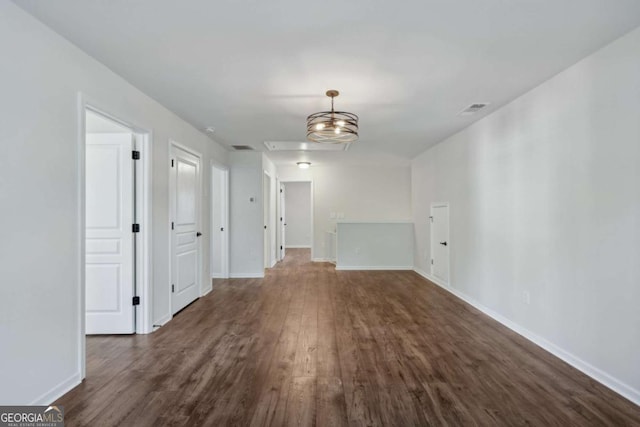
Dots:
{"x": 443, "y": 243}
{"x": 198, "y": 234}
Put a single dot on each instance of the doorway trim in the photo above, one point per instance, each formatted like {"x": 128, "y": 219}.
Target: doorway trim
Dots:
{"x": 310, "y": 182}
{"x": 143, "y": 262}
{"x": 225, "y": 220}
{"x": 432, "y": 240}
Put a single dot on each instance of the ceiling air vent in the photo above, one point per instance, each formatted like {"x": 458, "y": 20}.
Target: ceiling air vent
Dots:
{"x": 242, "y": 147}
{"x": 473, "y": 108}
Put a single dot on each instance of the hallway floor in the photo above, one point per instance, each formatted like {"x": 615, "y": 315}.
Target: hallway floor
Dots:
{"x": 308, "y": 345}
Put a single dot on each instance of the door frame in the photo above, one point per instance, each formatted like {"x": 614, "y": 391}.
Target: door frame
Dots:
{"x": 311, "y": 204}
{"x": 225, "y": 220}
{"x": 432, "y": 240}
{"x": 143, "y": 261}
{"x": 202, "y": 292}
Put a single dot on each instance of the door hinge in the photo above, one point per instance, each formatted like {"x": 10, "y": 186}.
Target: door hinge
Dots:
{"x": 173, "y": 288}
{"x": 135, "y": 228}
{"x": 172, "y": 225}
{"x": 432, "y": 261}
{"x": 136, "y": 300}
{"x": 431, "y": 218}
{"x": 172, "y": 162}
{"x": 135, "y": 155}
{"x": 281, "y": 190}
{"x": 280, "y": 247}
{"x": 280, "y": 219}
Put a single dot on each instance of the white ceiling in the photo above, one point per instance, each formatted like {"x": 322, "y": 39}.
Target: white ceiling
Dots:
{"x": 255, "y": 70}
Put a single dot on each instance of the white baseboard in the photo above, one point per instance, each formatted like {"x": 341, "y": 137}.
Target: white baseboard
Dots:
{"x": 163, "y": 321}
{"x": 273, "y": 263}
{"x": 369, "y": 267}
{"x": 246, "y": 275}
{"x": 58, "y": 391}
{"x": 597, "y": 374}
{"x": 205, "y": 291}
{"x": 218, "y": 276}
{"x": 298, "y": 247}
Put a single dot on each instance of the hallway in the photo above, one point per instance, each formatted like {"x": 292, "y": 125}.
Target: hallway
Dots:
{"x": 311, "y": 346}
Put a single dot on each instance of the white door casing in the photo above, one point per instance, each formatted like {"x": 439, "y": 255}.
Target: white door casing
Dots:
{"x": 185, "y": 199}
{"x": 440, "y": 244}
{"x": 109, "y": 245}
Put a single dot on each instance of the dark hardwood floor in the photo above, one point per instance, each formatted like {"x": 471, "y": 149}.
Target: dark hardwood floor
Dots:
{"x": 311, "y": 346}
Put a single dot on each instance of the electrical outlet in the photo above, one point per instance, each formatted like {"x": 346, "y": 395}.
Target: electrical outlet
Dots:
{"x": 526, "y": 297}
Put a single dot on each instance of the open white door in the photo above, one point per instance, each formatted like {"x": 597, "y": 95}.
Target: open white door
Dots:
{"x": 109, "y": 237}
{"x": 283, "y": 222}
{"x": 440, "y": 241}
{"x": 185, "y": 207}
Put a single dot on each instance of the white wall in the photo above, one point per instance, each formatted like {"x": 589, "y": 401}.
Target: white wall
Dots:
{"x": 40, "y": 77}
{"x": 361, "y": 193}
{"x": 545, "y": 199}
{"x": 246, "y": 216}
{"x": 298, "y": 214}
{"x": 374, "y": 246}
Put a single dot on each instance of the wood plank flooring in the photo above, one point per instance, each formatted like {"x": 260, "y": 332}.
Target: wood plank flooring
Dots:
{"x": 311, "y": 346}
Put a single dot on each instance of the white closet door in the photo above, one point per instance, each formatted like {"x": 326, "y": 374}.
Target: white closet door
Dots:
{"x": 185, "y": 247}
{"x": 440, "y": 242}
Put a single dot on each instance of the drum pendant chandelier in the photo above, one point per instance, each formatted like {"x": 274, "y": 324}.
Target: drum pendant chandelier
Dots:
{"x": 332, "y": 127}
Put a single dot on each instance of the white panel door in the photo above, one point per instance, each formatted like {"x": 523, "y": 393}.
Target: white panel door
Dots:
{"x": 185, "y": 208}
{"x": 109, "y": 253}
{"x": 440, "y": 242}
{"x": 219, "y": 213}
{"x": 266, "y": 205}
{"x": 283, "y": 222}
{"x": 217, "y": 225}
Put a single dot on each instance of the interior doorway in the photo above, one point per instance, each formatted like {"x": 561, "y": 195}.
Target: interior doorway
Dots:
{"x": 440, "y": 244}
{"x": 110, "y": 250}
{"x": 297, "y": 213}
{"x": 185, "y": 198}
{"x": 282, "y": 220}
{"x": 219, "y": 222}
{"x": 115, "y": 211}
{"x": 267, "y": 220}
